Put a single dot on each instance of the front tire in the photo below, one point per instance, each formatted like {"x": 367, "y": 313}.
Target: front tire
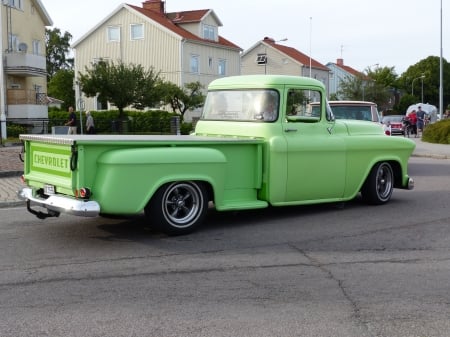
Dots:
{"x": 379, "y": 185}
{"x": 178, "y": 208}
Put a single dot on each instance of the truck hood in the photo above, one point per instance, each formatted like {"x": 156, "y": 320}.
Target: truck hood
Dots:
{"x": 357, "y": 127}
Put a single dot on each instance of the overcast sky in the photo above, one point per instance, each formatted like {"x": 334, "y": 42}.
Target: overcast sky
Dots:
{"x": 392, "y": 33}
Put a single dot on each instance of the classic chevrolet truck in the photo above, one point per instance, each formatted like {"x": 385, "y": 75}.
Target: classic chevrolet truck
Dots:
{"x": 258, "y": 143}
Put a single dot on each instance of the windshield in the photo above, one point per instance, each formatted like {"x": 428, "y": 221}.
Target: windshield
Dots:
{"x": 362, "y": 113}
{"x": 242, "y": 105}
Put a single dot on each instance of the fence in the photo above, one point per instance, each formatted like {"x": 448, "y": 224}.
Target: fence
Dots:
{"x": 16, "y": 126}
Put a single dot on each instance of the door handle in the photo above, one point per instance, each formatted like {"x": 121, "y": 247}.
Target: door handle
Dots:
{"x": 290, "y": 130}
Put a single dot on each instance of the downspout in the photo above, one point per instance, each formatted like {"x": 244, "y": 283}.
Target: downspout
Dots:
{"x": 2, "y": 85}
{"x": 182, "y": 62}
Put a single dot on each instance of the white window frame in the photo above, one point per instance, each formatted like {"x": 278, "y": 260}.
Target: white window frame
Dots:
{"x": 110, "y": 36}
{"x": 36, "y": 47}
{"x": 261, "y": 58}
{"x": 194, "y": 64}
{"x": 209, "y": 32}
{"x": 222, "y": 67}
{"x": 14, "y": 41}
{"x": 18, "y": 4}
{"x": 133, "y": 35}
{"x": 96, "y": 60}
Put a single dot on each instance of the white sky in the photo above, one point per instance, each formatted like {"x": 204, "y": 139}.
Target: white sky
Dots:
{"x": 392, "y": 33}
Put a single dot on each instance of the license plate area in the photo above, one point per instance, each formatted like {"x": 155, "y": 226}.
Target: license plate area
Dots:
{"x": 49, "y": 189}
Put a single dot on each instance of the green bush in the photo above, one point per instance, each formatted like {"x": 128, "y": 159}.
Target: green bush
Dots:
{"x": 14, "y": 130}
{"x": 438, "y": 132}
{"x": 107, "y": 122}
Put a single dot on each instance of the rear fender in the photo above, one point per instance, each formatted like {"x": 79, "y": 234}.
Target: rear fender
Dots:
{"x": 127, "y": 179}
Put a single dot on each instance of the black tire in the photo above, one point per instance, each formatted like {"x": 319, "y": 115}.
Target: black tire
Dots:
{"x": 379, "y": 185}
{"x": 178, "y": 208}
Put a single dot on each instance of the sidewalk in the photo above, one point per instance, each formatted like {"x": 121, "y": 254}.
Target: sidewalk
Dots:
{"x": 11, "y": 168}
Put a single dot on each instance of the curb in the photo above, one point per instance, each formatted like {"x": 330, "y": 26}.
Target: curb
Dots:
{"x": 434, "y": 156}
{"x": 8, "y": 174}
{"x": 12, "y": 204}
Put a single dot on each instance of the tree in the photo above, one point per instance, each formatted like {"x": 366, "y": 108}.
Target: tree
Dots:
{"x": 352, "y": 88}
{"x": 375, "y": 86}
{"x": 182, "y": 99}
{"x": 61, "y": 86}
{"x": 57, "y": 51}
{"x": 411, "y": 80}
{"x": 121, "y": 84}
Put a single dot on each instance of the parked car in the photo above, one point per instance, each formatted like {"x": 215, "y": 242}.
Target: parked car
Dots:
{"x": 360, "y": 110}
{"x": 395, "y": 122}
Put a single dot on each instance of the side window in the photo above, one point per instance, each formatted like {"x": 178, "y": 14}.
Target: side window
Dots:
{"x": 137, "y": 31}
{"x": 194, "y": 66}
{"x": 113, "y": 34}
{"x": 303, "y": 105}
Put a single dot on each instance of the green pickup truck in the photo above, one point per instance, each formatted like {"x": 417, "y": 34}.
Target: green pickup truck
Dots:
{"x": 257, "y": 143}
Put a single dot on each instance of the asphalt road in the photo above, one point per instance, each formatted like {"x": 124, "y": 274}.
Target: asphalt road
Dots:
{"x": 321, "y": 270}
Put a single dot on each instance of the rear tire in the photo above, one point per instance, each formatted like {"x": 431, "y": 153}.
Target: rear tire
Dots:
{"x": 379, "y": 185}
{"x": 178, "y": 208}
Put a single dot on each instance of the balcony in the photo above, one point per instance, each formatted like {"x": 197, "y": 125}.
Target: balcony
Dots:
{"x": 26, "y": 104}
{"x": 23, "y": 64}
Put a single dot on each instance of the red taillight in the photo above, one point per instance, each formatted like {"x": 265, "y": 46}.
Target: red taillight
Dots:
{"x": 22, "y": 178}
{"x": 83, "y": 192}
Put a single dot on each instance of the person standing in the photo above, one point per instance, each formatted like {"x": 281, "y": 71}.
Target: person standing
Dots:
{"x": 413, "y": 121}
{"x": 90, "y": 128}
{"x": 72, "y": 122}
{"x": 420, "y": 119}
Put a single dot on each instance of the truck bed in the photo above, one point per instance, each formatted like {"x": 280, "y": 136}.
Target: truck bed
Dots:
{"x": 130, "y": 139}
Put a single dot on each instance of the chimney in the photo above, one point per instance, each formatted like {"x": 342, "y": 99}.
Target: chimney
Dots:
{"x": 340, "y": 62}
{"x": 269, "y": 39}
{"x": 157, "y": 6}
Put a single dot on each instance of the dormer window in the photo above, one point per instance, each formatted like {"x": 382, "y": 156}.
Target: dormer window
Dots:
{"x": 209, "y": 32}
{"x": 261, "y": 58}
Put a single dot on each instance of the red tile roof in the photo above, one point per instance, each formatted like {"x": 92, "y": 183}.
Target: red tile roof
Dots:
{"x": 188, "y": 16}
{"x": 296, "y": 55}
{"x": 169, "y": 21}
{"x": 350, "y": 70}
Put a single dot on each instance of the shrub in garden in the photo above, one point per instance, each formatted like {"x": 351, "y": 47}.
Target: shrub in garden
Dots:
{"x": 438, "y": 132}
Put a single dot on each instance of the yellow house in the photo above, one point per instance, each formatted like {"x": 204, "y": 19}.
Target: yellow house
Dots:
{"x": 183, "y": 46}
{"x": 23, "y": 74}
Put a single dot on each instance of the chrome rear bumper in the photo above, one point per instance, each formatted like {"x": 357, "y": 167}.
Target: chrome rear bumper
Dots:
{"x": 57, "y": 204}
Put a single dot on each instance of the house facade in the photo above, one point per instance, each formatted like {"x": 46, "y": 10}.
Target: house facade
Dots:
{"x": 339, "y": 73}
{"x": 183, "y": 46}
{"x": 23, "y": 74}
{"x": 269, "y": 57}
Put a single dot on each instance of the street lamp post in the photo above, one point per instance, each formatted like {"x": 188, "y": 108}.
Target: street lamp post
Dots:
{"x": 421, "y": 77}
{"x": 412, "y": 85}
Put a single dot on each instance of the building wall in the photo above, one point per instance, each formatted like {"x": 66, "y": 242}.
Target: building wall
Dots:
{"x": 21, "y": 91}
{"x": 160, "y": 48}
{"x": 209, "y": 57}
{"x": 277, "y": 63}
{"x": 146, "y": 52}
{"x": 336, "y": 78}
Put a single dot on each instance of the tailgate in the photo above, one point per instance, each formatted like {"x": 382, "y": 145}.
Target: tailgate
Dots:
{"x": 50, "y": 166}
